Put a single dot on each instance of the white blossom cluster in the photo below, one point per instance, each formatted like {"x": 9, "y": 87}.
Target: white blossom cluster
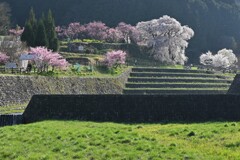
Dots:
{"x": 167, "y": 38}
{"x": 223, "y": 59}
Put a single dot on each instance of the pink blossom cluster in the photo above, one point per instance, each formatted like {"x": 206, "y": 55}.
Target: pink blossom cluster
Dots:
{"x": 97, "y": 30}
{"x": 16, "y": 32}
{"x": 3, "y": 58}
{"x": 45, "y": 57}
{"x": 128, "y": 32}
{"x": 115, "y": 58}
{"x": 74, "y": 30}
{"x": 100, "y": 31}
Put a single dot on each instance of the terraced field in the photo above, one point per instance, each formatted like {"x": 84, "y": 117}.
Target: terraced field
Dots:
{"x": 176, "y": 81}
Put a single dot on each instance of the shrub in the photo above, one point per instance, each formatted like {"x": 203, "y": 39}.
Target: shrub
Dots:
{"x": 114, "y": 59}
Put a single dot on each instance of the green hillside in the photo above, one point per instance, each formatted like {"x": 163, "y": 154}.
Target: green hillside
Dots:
{"x": 215, "y": 22}
{"x": 101, "y": 141}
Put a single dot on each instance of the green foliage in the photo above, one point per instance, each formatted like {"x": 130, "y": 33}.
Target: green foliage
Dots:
{"x": 32, "y": 18}
{"x": 113, "y": 70}
{"x": 82, "y": 40}
{"x": 41, "y": 37}
{"x": 31, "y": 29}
{"x": 53, "y": 42}
{"x": 41, "y": 32}
{"x": 100, "y": 141}
{"x": 92, "y": 41}
{"x": 28, "y": 35}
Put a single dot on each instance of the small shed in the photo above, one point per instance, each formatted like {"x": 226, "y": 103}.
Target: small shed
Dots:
{"x": 25, "y": 58}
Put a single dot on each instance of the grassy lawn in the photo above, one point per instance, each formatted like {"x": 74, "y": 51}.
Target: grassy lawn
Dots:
{"x": 184, "y": 89}
{"x": 93, "y": 141}
{"x": 15, "y": 108}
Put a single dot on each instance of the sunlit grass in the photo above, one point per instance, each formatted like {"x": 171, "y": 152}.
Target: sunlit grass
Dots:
{"x": 13, "y": 108}
{"x": 184, "y": 89}
{"x": 87, "y": 140}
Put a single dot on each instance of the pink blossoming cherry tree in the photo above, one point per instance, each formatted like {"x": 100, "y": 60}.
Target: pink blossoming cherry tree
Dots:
{"x": 3, "y": 58}
{"x": 115, "y": 58}
{"x": 45, "y": 57}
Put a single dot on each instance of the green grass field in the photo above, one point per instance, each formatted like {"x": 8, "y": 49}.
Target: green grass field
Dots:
{"x": 93, "y": 141}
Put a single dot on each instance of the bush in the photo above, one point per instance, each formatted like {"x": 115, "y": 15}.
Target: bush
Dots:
{"x": 114, "y": 59}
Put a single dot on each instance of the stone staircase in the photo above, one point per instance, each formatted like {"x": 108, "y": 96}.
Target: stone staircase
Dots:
{"x": 176, "y": 81}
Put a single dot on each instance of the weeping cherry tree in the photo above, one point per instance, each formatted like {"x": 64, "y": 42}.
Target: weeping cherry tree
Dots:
{"x": 167, "y": 39}
{"x": 223, "y": 59}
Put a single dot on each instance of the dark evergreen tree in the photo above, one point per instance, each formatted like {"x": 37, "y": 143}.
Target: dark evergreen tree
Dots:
{"x": 30, "y": 31}
{"x": 27, "y": 35}
{"x": 51, "y": 33}
{"x": 32, "y": 18}
{"x": 41, "y": 37}
{"x": 55, "y": 44}
{"x": 33, "y": 21}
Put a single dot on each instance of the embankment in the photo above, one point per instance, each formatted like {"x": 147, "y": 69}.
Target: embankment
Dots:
{"x": 20, "y": 89}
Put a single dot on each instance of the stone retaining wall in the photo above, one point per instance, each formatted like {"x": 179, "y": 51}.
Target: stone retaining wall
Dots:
{"x": 20, "y": 89}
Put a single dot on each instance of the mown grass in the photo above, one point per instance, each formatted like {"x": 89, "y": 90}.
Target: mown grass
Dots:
{"x": 193, "y": 78}
{"x": 14, "y": 108}
{"x": 184, "y": 89}
{"x": 231, "y": 75}
{"x": 178, "y": 83}
{"x": 101, "y": 141}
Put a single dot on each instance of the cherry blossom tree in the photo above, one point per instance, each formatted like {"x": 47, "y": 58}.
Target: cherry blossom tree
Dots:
{"x": 60, "y": 63}
{"x": 97, "y": 30}
{"x": 127, "y": 32}
{"x": 13, "y": 47}
{"x": 61, "y": 32}
{"x": 223, "y": 59}
{"x": 16, "y": 32}
{"x": 113, "y": 35}
{"x": 3, "y": 58}
{"x": 167, "y": 39}
{"x": 73, "y": 31}
{"x": 45, "y": 57}
{"x": 228, "y": 53}
{"x": 207, "y": 59}
{"x": 115, "y": 58}
{"x": 220, "y": 61}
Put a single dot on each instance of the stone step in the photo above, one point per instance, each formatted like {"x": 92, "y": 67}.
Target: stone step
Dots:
{"x": 146, "y": 69}
{"x": 176, "y": 85}
{"x": 185, "y": 75}
{"x": 177, "y": 80}
{"x": 171, "y": 91}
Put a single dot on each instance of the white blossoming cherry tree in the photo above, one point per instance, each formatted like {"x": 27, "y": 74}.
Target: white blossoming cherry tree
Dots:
{"x": 224, "y": 59}
{"x": 167, "y": 39}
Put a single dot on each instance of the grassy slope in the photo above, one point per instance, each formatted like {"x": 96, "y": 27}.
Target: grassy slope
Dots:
{"x": 86, "y": 140}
